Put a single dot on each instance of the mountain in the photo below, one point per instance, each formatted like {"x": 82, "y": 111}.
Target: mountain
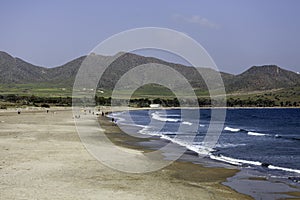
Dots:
{"x": 16, "y": 71}
{"x": 65, "y": 74}
{"x": 128, "y": 61}
{"x": 264, "y": 78}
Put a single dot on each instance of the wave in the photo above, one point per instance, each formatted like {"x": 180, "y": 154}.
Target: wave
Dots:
{"x": 240, "y": 162}
{"x": 256, "y": 134}
{"x": 286, "y": 137}
{"x": 202, "y": 150}
{"x": 227, "y": 128}
{"x": 228, "y": 145}
{"x": 284, "y": 169}
{"x": 234, "y": 161}
{"x": 116, "y": 116}
{"x": 168, "y": 115}
{"x": 146, "y": 131}
{"x": 199, "y": 149}
{"x": 251, "y": 133}
{"x": 187, "y": 123}
{"x": 156, "y": 116}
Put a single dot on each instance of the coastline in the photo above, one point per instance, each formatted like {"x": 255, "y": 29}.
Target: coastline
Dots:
{"x": 45, "y": 153}
{"x": 187, "y": 173}
{"x": 43, "y": 157}
{"x": 249, "y": 179}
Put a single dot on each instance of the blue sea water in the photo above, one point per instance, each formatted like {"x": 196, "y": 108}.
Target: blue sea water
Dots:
{"x": 263, "y": 139}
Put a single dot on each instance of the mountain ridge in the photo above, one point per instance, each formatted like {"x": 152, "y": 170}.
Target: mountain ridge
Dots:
{"x": 14, "y": 70}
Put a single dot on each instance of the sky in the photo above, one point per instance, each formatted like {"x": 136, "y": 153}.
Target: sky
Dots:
{"x": 236, "y": 33}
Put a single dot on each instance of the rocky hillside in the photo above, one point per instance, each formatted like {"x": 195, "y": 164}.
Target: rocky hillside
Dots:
{"x": 264, "y": 78}
{"x": 16, "y": 71}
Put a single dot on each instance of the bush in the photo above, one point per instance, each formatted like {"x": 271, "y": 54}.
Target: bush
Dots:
{"x": 3, "y": 107}
{"x": 45, "y": 105}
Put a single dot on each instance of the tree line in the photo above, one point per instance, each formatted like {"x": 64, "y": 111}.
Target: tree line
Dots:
{"x": 138, "y": 102}
{"x": 36, "y": 100}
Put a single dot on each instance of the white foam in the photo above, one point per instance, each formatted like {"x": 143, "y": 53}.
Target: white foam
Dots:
{"x": 240, "y": 162}
{"x": 116, "y": 116}
{"x": 284, "y": 169}
{"x": 202, "y": 150}
{"x": 187, "y": 123}
{"x": 234, "y": 161}
{"x": 156, "y": 116}
{"x": 168, "y": 115}
{"x": 231, "y": 129}
{"x": 227, "y": 145}
{"x": 256, "y": 134}
{"x": 145, "y": 131}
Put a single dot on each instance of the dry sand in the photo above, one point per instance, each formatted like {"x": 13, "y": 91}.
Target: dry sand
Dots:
{"x": 42, "y": 158}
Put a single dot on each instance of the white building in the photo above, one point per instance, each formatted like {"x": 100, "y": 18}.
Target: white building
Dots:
{"x": 154, "y": 105}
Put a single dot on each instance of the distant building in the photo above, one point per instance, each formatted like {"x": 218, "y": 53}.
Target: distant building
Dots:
{"x": 154, "y": 105}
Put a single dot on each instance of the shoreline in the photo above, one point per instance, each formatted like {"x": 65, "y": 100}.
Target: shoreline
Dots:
{"x": 250, "y": 179}
{"x": 43, "y": 157}
{"x": 45, "y": 153}
{"x": 192, "y": 174}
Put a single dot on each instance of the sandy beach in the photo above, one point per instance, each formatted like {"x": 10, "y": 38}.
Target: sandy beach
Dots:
{"x": 42, "y": 157}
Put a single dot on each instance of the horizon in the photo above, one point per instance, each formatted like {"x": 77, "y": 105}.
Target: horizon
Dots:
{"x": 236, "y": 35}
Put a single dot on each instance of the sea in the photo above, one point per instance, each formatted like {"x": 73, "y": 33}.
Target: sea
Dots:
{"x": 262, "y": 142}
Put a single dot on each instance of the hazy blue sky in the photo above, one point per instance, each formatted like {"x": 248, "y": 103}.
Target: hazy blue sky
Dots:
{"x": 236, "y": 33}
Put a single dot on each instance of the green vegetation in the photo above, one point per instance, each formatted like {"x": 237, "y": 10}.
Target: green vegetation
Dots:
{"x": 151, "y": 94}
{"x": 281, "y": 98}
{"x": 22, "y": 83}
{"x": 41, "y": 90}
{"x": 13, "y": 100}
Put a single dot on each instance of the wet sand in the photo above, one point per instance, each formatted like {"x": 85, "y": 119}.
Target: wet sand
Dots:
{"x": 42, "y": 157}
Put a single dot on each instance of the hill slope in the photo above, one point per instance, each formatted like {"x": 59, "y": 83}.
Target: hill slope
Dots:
{"x": 264, "y": 78}
{"x": 16, "y": 71}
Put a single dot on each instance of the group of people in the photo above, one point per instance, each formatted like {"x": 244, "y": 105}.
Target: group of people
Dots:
{"x": 113, "y": 120}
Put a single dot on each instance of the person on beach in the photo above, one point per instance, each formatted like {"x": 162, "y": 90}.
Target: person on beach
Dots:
{"x": 114, "y": 121}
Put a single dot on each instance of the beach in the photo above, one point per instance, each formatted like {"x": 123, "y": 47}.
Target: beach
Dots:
{"x": 42, "y": 157}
